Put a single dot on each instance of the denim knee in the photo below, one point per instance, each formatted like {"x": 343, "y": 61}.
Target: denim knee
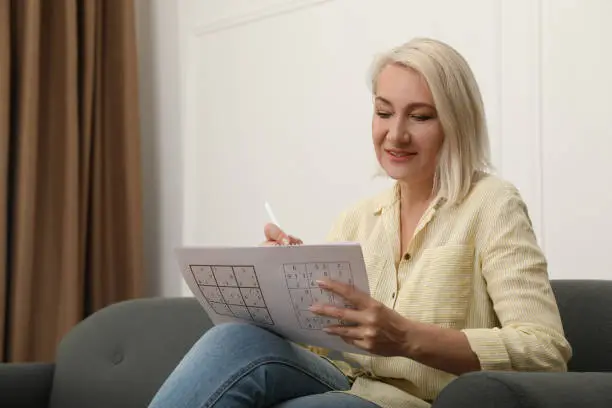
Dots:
{"x": 245, "y": 362}
{"x": 234, "y": 332}
{"x": 235, "y": 336}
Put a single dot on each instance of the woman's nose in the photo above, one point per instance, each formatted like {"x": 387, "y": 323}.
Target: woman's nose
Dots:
{"x": 399, "y": 132}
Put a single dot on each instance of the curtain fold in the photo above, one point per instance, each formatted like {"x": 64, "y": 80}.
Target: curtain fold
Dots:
{"x": 70, "y": 193}
{"x": 5, "y": 62}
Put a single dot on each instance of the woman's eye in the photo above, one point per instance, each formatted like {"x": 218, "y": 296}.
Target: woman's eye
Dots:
{"x": 421, "y": 118}
{"x": 383, "y": 115}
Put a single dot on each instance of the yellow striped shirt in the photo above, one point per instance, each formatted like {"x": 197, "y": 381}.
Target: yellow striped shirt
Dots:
{"x": 474, "y": 267}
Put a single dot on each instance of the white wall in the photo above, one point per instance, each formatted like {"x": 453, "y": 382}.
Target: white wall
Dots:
{"x": 275, "y": 107}
{"x": 162, "y": 141}
{"x": 280, "y": 109}
{"x": 576, "y": 136}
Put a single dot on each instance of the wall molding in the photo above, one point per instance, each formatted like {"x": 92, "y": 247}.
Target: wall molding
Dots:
{"x": 540, "y": 126}
{"x": 283, "y": 7}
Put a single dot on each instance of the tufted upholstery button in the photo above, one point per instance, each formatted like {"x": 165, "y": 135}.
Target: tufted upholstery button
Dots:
{"x": 117, "y": 357}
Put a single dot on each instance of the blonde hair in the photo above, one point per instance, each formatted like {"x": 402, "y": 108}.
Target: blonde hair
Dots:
{"x": 464, "y": 154}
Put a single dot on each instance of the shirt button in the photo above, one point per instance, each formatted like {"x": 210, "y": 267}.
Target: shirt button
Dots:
{"x": 393, "y": 295}
{"x": 407, "y": 256}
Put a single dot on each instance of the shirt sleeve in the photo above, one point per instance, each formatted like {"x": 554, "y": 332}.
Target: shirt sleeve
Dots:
{"x": 530, "y": 336}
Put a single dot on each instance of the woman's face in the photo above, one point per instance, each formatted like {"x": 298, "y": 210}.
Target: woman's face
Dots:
{"x": 406, "y": 131}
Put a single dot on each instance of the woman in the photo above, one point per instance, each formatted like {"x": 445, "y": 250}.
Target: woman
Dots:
{"x": 457, "y": 280}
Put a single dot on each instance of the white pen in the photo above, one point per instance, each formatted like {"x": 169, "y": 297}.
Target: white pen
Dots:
{"x": 271, "y": 214}
{"x": 285, "y": 239}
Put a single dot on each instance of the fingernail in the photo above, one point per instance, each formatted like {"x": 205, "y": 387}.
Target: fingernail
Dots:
{"x": 314, "y": 308}
{"x": 321, "y": 283}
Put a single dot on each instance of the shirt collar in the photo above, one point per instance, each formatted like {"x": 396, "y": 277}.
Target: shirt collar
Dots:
{"x": 392, "y": 196}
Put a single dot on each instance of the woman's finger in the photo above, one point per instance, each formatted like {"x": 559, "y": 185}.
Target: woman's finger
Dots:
{"x": 350, "y": 332}
{"x": 272, "y": 232}
{"x": 350, "y": 293}
{"x": 341, "y": 313}
{"x": 295, "y": 240}
{"x": 360, "y": 342}
{"x": 275, "y": 234}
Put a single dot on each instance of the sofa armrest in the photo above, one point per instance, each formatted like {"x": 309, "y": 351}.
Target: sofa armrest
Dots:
{"x": 25, "y": 384}
{"x": 533, "y": 390}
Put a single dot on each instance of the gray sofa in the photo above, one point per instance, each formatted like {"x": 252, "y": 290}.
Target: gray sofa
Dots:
{"x": 119, "y": 357}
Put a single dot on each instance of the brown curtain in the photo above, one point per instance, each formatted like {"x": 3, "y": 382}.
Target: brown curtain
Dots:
{"x": 70, "y": 193}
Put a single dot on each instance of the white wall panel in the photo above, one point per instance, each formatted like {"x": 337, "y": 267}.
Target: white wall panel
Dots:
{"x": 280, "y": 109}
{"x": 259, "y": 100}
{"x": 577, "y": 136}
{"x": 520, "y": 95}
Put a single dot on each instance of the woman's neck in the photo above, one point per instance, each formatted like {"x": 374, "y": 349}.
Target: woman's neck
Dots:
{"x": 415, "y": 194}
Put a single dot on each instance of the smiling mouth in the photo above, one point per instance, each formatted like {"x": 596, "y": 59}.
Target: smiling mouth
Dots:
{"x": 399, "y": 153}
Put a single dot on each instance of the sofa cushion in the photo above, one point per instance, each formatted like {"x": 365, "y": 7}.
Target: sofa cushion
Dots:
{"x": 527, "y": 390}
{"x": 120, "y": 356}
{"x": 586, "y": 311}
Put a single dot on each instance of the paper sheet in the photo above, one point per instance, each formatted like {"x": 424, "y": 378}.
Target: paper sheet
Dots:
{"x": 273, "y": 286}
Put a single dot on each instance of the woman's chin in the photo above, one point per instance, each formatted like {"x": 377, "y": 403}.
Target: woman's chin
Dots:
{"x": 397, "y": 174}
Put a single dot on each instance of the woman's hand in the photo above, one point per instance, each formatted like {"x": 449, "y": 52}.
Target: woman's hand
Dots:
{"x": 378, "y": 329}
{"x": 276, "y": 236}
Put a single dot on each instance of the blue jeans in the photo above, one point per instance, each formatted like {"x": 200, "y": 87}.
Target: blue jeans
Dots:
{"x": 241, "y": 365}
